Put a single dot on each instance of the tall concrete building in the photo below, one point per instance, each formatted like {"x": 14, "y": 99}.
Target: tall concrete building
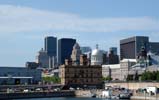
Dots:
{"x": 131, "y": 47}
{"x": 65, "y": 47}
{"x": 51, "y": 50}
{"x": 43, "y": 59}
{"x": 75, "y": 56}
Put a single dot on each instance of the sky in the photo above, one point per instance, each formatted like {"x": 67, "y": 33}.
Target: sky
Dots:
{"x": 25, "y": 23}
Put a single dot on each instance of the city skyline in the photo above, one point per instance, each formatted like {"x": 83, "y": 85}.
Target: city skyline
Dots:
{"x": 24, "y": 24}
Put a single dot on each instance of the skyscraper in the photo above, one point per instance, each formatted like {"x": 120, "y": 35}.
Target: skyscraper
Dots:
{"x": 130, "y": 47}
{"x": 51, "y": 50}
{"x": 85, "y": 49}
{"x": 65, "y": 47}
{"x": 51, "y": 45}
{"x": 113, "y": 49}
{"x": 113, "y": 58}
{"x": 43, "y": 59}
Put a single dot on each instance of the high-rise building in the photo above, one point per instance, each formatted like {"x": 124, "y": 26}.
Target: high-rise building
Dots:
{"x": 130, "y": 48}
{"x": 43, "y": 59}
{"x": 113, "y": 58}
{"x": 85, "y": 50}
{"x": 75, "y": 56}
{"x": 65, "y": 47}
{"x": 114, "y": 49}
{"x": 51, "y": 50}
{"x": 51, "y": 45}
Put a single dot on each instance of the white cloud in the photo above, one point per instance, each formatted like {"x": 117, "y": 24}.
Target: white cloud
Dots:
{"x": 19, "y": 19}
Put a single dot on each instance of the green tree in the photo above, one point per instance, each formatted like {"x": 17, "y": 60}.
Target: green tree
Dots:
{"x": 129, "y": 78}
{"x": 157, "y": 75}
{"x": 108, "y": 78}
{"x": 149, "y": 76}
{"x": 53, "y": 79}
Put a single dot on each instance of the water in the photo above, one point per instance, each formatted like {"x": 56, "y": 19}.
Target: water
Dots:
{"x": 70, "y": 98}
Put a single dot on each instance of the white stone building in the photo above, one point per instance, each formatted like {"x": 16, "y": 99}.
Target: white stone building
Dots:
{"x": 97, "y": 57}
{"x": 118, "y": 71}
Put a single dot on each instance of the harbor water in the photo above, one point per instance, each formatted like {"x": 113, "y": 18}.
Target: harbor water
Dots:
{"x": 68, "y": 98}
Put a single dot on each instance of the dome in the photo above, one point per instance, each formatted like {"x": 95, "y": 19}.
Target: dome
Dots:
{"x": 96, "y": 57}
{"x": 96, "y": 52}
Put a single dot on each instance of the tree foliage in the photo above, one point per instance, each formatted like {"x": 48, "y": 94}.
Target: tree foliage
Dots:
{"x": 108, "y": 78}
{"x": 53, "y": 79}
{"x": 150, "y": 76}
{"x": 129, "y": 78}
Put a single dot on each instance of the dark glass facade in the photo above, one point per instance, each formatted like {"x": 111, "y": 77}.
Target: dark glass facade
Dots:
{"x": 51, "y": 46}
{"x": 65, "y": 47}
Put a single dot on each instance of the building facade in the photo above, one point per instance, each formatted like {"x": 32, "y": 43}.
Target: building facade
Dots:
{"x": 51, "y": 46}
{"x": 113, "y": 58}
{"x": 97, "y": 56}
{"x": 19, "y": 75}
{"x": 118, "y": 71}
{"x": 81, "y": 76}
{"x": 131, "y": 47}
{"x": 65, "y": 47}
{"x": 51, "y": 50}
{"x": 85, "y": 50}
{"x": 75, "y": 56}
{"x": 43, "y": 59}
{"x": 114, "y": 49}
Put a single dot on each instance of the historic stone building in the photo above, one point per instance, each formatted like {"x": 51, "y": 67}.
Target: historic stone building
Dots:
{"x": 75, "y": 56}
{"x": 118, "y": 71}
{"x": 80, "y": 74}
{"x": 97, "y": 56}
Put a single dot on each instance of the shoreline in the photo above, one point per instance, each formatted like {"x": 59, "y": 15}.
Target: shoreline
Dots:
{"x": 8, "y": 96}
{"x": 63, "y": 93}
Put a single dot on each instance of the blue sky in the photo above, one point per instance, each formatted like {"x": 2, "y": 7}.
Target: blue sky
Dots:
{"x": 25, "y": 23}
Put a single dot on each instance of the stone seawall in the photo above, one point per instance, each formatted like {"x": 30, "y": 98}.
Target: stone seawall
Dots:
{"x": 133, "y": 85}
{"x": 87, "y": 93}
{"x": 7, "y": 96}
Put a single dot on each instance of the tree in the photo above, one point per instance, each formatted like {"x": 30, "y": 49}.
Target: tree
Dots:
{"x": 108, "y": 78}
{"x": 149, "y": 76}
{"x": 129, "y": 78}
{"x": 53, "y": 79}
{"x": 157, "y": 75}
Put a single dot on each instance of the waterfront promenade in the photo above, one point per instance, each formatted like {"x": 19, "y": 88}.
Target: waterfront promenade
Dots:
{"x": 44, "y": 91}
{"x": 7, "y": 96}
